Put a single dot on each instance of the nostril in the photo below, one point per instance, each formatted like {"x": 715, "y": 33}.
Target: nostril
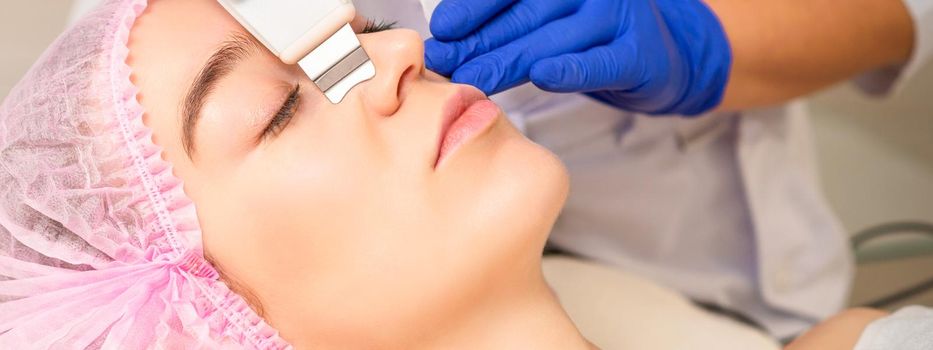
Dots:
{"x": 410, "y": 75}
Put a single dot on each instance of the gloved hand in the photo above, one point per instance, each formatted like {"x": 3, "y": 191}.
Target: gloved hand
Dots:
{"x": 650, "y": 56}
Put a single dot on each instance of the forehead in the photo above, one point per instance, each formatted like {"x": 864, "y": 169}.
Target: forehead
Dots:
{"x": 173, "y": 39}
{"x": 169, "y": 44}
{"x": 181, "y": 16}
{"x": 176, "y": 37}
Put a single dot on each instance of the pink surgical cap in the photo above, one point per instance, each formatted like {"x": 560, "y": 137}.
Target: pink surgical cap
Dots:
{"x": 99, "y": 246}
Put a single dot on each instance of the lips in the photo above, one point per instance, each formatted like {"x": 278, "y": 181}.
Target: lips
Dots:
{"x": 467, "y": 114}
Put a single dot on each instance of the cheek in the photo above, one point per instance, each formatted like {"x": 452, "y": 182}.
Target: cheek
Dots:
{"x": 312, "y": 194}
{"x": 307, "y": 197}
{"x": 269, "y": 215}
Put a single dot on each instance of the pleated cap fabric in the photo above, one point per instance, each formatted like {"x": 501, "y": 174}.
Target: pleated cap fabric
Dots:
{"x": 99, "y": 245}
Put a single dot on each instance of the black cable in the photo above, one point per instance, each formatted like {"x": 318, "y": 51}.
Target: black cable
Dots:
{"x": 860, "y": 238}
{"x": 882, "y": 230}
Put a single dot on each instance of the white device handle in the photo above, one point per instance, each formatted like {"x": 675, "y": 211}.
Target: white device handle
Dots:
{"x": 315, "y": 34}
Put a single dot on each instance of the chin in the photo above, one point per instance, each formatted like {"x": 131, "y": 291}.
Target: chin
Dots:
{"x": 537, "y": 185}
{"x": 540, "y": 172}
{"x": 549, "y": 178}
{"x": 517, "y": 189}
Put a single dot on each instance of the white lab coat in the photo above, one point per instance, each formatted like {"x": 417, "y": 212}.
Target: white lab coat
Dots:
{"x": 725, "y": 208}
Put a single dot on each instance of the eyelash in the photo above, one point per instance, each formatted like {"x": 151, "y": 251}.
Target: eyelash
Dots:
{"x": 285, "y": 114}
{"x": 373, "y": 26}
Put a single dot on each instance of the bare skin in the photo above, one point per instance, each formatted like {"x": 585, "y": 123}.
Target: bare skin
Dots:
{"x": 840, "y": 332}
{"x": 339, "y": 228}
{"x": 787, "y": 49}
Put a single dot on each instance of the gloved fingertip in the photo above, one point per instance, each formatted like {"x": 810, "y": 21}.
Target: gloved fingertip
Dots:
{"x": 439, "y": 57}
{"x": 550, "y": 75}
{"x": 473, "y": 75}
{"x": 466, "y": 75}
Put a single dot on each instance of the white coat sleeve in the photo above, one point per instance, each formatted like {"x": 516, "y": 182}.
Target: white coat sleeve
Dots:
{"x": 911, "y": 328}
{"x": 889, "y": 80}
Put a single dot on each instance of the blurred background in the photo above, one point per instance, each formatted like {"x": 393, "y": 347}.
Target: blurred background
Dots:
{"x": 876, "y": 155}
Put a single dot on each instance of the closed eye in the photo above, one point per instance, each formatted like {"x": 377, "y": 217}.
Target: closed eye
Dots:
{"x": 374, "y": 26}
{"x": 284, "y": 115}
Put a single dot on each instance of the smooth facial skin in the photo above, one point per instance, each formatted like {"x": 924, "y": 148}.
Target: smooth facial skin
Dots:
{"x": 340, "y": 225}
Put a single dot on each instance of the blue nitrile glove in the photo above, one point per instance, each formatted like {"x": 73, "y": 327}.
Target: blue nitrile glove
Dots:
{"x": 650, "y": 56}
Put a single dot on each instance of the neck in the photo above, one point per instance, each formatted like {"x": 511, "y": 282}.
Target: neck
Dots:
{"x": 524, "y": 320}
{"x": 513, "y": 317}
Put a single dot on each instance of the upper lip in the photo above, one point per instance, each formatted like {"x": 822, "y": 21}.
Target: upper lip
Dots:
{"x": 464, "y": 97}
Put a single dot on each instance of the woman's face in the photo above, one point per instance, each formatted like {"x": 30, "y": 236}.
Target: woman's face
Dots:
{"x": 337, "y": 217}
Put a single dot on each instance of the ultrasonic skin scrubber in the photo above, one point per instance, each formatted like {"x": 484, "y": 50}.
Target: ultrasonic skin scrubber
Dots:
{"x": 315, "y": 34}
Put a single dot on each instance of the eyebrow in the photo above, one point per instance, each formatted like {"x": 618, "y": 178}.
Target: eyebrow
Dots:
{"x": 231, "y": 52}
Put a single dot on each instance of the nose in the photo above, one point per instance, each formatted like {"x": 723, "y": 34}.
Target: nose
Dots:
{"x": 399, "y": 59}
